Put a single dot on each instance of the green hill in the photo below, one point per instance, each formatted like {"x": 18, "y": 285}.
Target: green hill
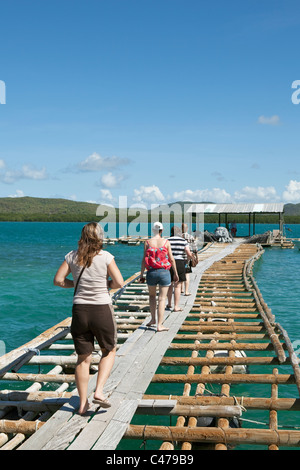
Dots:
{"x": 292, "y": 209}
{"x": 33, "y": 209}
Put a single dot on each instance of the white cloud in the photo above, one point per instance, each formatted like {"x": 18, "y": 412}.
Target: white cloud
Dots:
{"x": 10, "y": 176}
{"x": 148, "y": 194}
{"x": 203, "y": 195}
{"x": 19, "y": 193}
{"x": 2, "y": 164}
{"x": 219, "y": 195}
{"x": 111, "y": 181}
{"x": 107, "y": 196}
{"x": 292, "y": 192}
{"x": 96, "y": 162}
{"x": 33, "y": 174}
{"x": 256, "y": 194}
{"x": 271, "y": 121}
{"x": 27, "y": 172}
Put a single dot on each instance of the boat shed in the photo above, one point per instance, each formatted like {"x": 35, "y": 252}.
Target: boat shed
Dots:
{"x": 243, "y": 208}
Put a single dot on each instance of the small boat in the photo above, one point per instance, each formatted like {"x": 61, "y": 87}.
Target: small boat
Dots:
{"x": 296, "y": 242}
{"x": 134, "y": 241}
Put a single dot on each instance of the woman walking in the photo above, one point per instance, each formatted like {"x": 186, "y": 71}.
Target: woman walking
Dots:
{"x": 188, "y": 263}
{"x": 158, "y": 259}
{"x": 180, "y": 249}
{"x": 92, "y": 313}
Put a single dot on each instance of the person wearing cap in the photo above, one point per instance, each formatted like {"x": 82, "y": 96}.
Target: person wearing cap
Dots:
{"x": 157, "y": 260}
{"x": 92, "y": 313}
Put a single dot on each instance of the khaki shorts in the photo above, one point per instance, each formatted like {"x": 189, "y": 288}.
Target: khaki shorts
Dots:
{"x": 93, "y": 321}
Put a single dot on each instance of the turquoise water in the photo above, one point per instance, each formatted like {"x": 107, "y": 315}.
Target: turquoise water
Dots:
{"x": 30, "y": 303}
{"x": 30, "y": 256}
{"x": 31, "y": 252}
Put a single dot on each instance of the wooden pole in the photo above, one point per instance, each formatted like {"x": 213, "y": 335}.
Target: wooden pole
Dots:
{"x": 226, "y": 436}
{"x": 224, "y": 361}
{"x": 229, "y": 346}
{"x": 22, "y": 354}
{"x": 20, "y": 426}
{"x": 225, "y": 378}
{"x": 251, "y": 403}
{"x": 57, "y": 378}
{"x": 293, "y": 358}
{"x": 167, "y": 407}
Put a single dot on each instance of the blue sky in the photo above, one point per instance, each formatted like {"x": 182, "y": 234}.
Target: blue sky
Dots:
{"x": 154, "y": 100}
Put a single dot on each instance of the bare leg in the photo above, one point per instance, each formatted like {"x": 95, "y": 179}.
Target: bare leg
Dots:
{"x": 170, "y": 295}
{"x": 104, "y": 370}
{"x": 177, "y": 293}
{"x": 187, "y": 283}
{"x": 163, "y": 291}
{"x": 152, "y": 302}
{"x": 82, "y": 375}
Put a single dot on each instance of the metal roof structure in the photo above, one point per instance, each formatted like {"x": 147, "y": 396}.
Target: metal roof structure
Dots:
{"x": 245, "y": 208}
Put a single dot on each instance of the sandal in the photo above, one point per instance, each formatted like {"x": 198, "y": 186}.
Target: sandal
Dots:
{"x": 103, "y": 403}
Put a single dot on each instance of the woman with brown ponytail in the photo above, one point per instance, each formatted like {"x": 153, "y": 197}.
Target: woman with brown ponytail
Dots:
{"x": 92, "y": 314}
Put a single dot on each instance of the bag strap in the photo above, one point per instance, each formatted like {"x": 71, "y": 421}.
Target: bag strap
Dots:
{"x": 77, "y": 282}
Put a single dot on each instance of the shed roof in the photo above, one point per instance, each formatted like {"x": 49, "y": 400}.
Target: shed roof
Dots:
{"x": 208, "y": 208}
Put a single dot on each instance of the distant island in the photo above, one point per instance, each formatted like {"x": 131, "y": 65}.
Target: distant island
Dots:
{"x": 32, "y": 209}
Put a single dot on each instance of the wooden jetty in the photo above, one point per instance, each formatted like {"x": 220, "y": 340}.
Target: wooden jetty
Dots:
{"x": 225, "y": 330}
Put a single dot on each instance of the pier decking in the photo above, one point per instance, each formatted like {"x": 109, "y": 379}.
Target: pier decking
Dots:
{"x": 224, "y": 330}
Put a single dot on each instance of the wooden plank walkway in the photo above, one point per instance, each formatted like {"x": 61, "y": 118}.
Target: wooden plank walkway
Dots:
{"x": 224, "y": 317}
{"x": 136, "y": 362}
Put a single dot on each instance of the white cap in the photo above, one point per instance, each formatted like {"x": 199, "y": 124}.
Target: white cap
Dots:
{"x": 157, "y": 226}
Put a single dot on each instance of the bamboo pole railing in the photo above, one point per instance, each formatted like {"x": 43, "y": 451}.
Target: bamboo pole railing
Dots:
{"x": 229, "y": 316}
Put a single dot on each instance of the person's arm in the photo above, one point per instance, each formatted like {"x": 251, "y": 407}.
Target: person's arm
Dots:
{"x": 116, "y": 281}
{"x": 142, "y": 279}
{"x": 188, "y": 252}
{"x": 60, "y": 278}
{"x": 172, "y": 261}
